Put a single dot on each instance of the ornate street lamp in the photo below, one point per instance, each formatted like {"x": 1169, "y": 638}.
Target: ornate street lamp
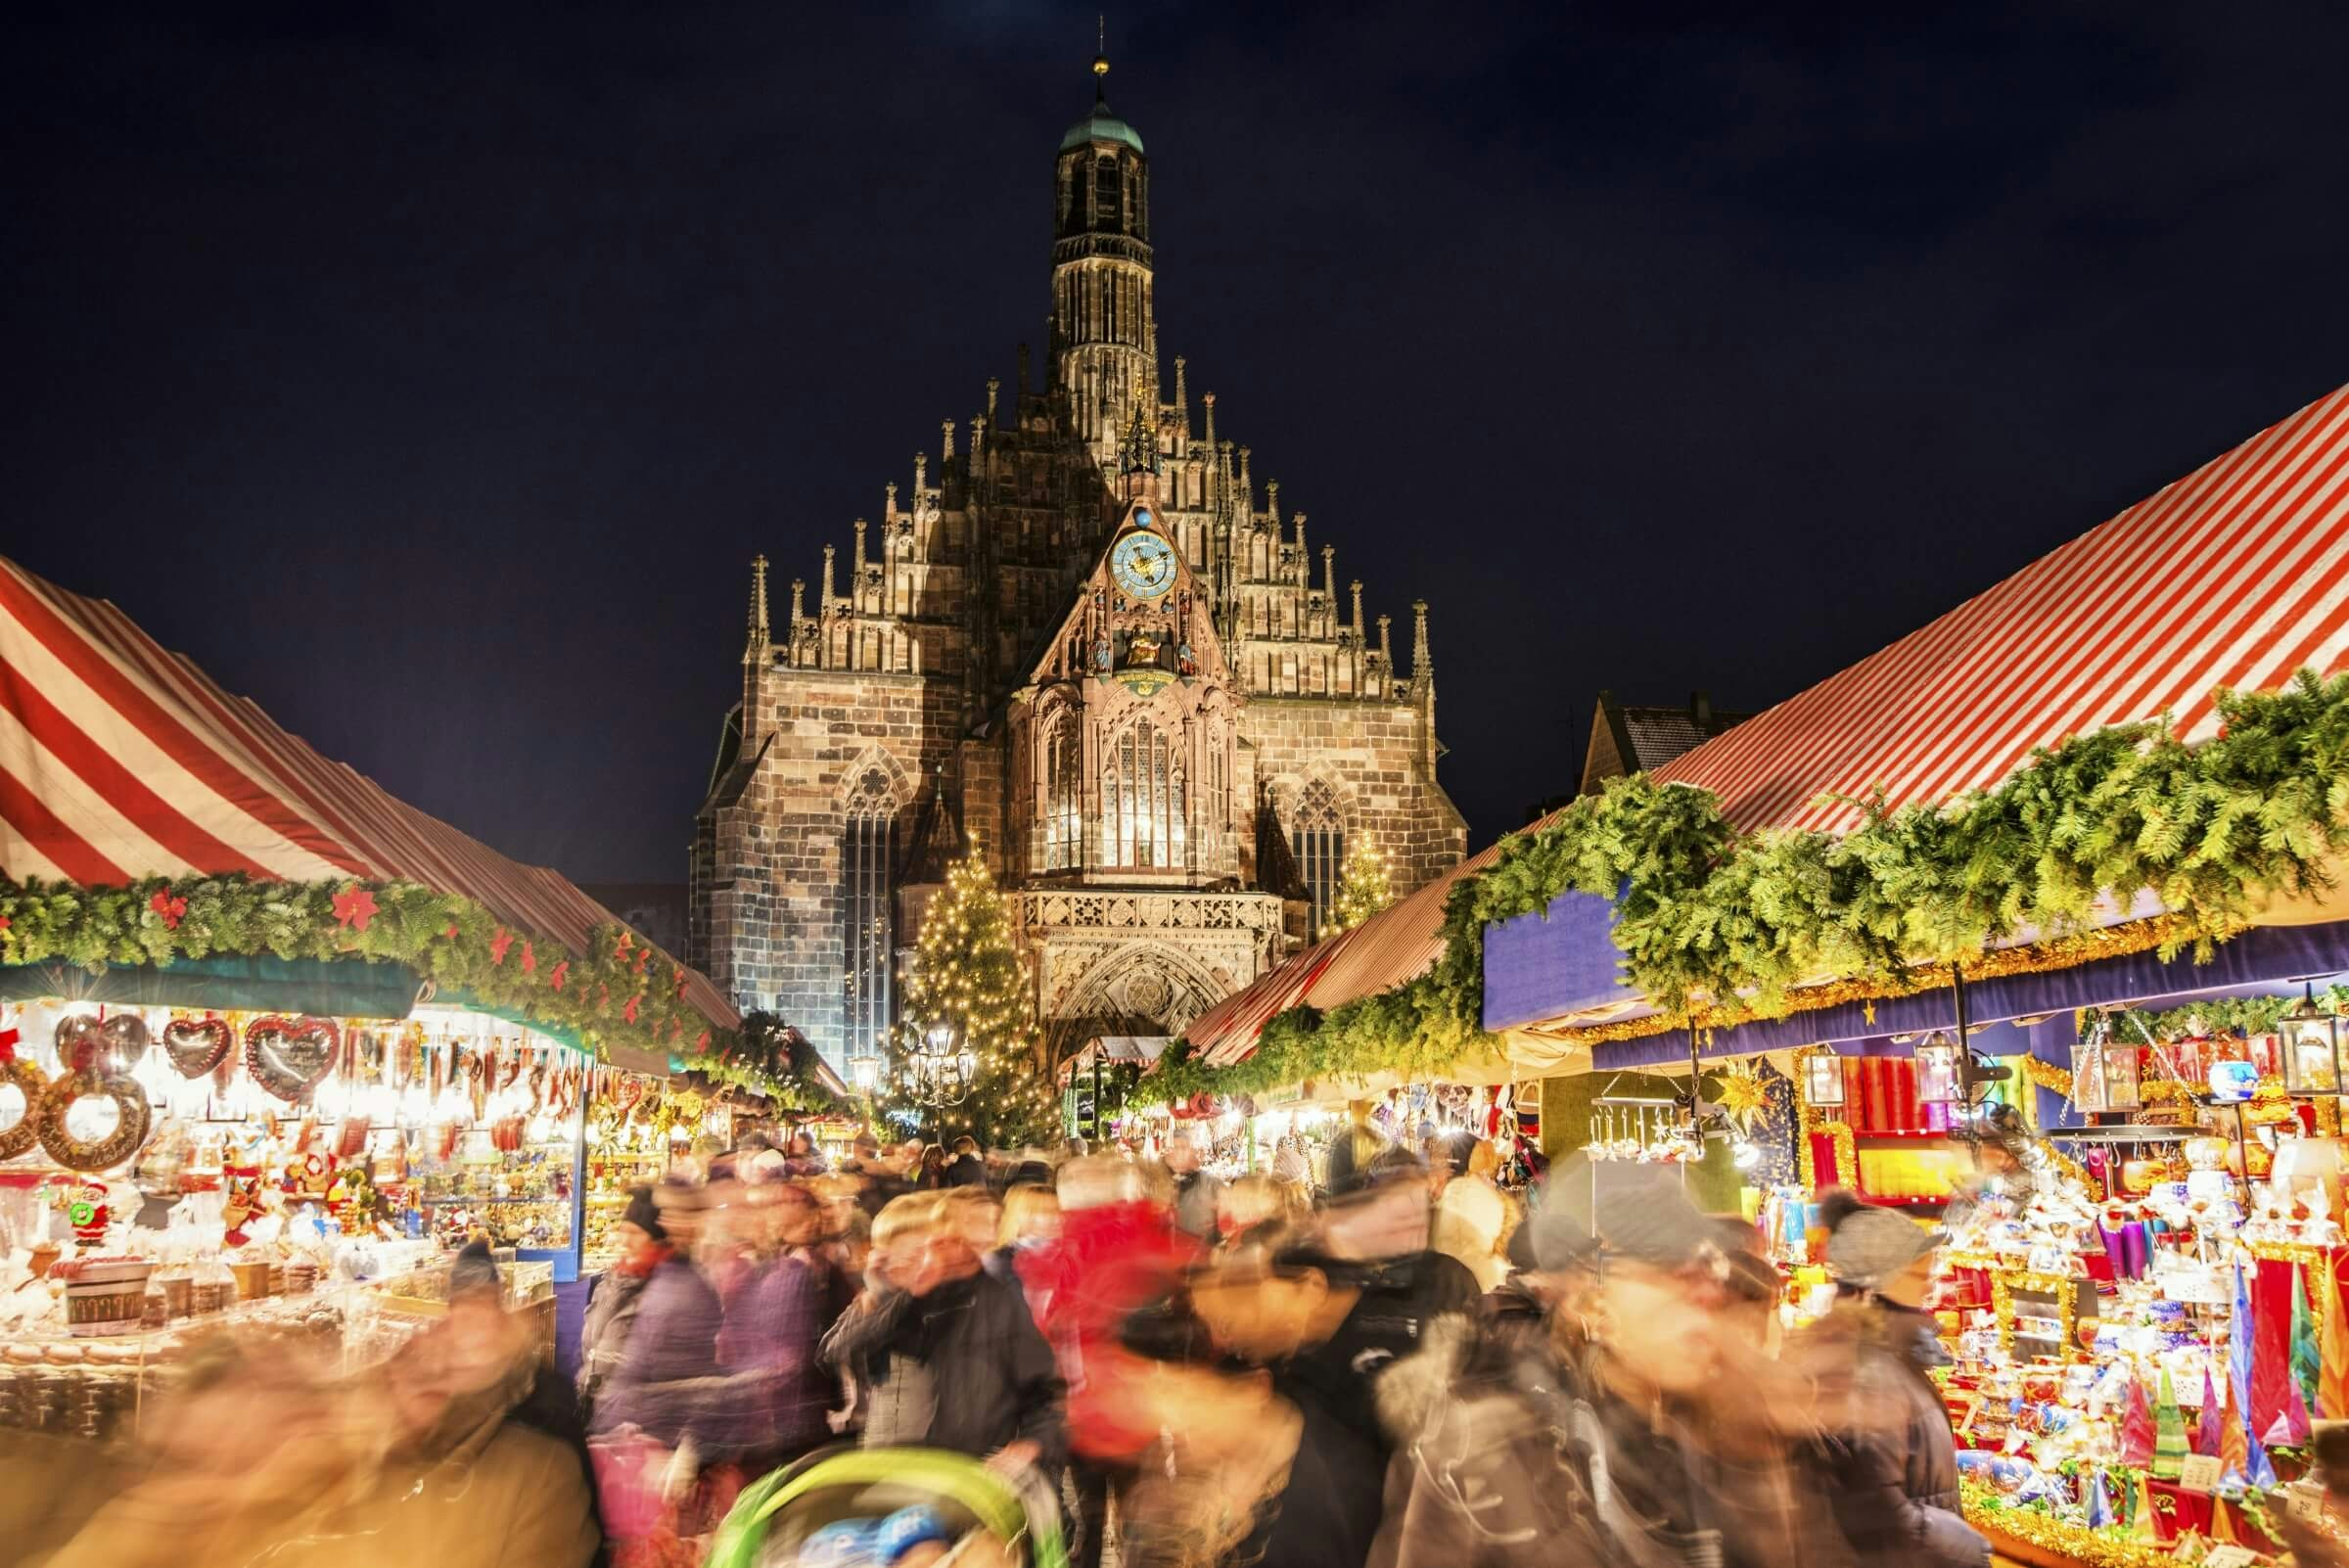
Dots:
{"x": 2312, "y": 1047}
{"x": 943, "y": 1073}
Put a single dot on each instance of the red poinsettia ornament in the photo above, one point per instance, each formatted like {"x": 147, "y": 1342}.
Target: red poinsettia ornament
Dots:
{"x": 559, "y": 974}
{"x": 354, "y": 906}
{"x": 499, "y": 944}
{"x": 169, "y": 909}
{"x": 629, "y": 1011}
{"x": 529, "y": 960}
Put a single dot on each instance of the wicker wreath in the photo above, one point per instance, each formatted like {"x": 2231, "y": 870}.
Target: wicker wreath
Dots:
{"x": 93, "y": 1154}
{"x": 24, "y": 1131}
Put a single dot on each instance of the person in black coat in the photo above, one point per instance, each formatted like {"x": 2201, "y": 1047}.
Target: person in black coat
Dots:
{"x": 947, "y": 1354}
{"x": 1373, "y": 1246}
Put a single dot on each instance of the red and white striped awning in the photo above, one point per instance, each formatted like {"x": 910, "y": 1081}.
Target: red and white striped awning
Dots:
{"x": 121, "y": 760}
{"x": 2233, "y": 575}
{"x": 1393, "y": 947}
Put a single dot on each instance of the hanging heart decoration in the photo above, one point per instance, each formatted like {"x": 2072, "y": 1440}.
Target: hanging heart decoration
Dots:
{"x": 125, "y": 1040}
{"x": 79, "y": 1038}
{"x": 102, "y": 1151}
{"x": 22, "y": 1133}
{"x": 196, "y": 1046}
{"x": 288, "y": 1057}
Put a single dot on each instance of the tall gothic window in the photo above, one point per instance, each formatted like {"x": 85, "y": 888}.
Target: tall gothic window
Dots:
{"x": 1317, "y": 835}
{"x": 1142, "y": 807}
{"x": 1062, "y": 807}
{"x": 867, "y": 847}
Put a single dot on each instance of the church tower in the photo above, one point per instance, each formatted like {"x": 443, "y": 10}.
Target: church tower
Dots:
{"x": 1104, "y": 334}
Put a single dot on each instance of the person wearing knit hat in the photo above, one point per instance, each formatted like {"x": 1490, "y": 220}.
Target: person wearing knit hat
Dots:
{"x": 1891, "y": 1466}
{"x": 1873, "y": 1249}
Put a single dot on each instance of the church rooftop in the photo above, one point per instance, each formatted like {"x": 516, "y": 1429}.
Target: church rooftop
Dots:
{"x": 1101, "y": 127}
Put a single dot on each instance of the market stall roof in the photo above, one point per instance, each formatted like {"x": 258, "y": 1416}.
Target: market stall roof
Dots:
{"x": 121, "y": 760}
{"x": 1393, "y": 947}
{"x": 2235, "y": 575}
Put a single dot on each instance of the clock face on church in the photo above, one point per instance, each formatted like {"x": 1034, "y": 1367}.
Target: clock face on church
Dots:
{"x": 1143, "y": 565}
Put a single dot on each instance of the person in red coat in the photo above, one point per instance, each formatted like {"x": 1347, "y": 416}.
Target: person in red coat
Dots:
{"x": 1116, "y": 1252}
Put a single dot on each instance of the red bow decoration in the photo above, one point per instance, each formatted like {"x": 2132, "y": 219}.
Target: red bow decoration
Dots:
{"x": 172, "y": 910}
{"x": 561, "y": 972}
{"x": 499, "y": 944}
{"x": 642, "y": 953}
{"x": 629, "y": 1011}
{"x": 354, "y": 906}
{"x": 680, "y": 982}
{"x": 529, "y": 960}
{"x": 8, "y": 1045}
{"x": 701, "y": 1045}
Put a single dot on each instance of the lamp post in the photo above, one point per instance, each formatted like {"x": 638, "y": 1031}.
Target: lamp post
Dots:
{"x": 943, "y": 1072}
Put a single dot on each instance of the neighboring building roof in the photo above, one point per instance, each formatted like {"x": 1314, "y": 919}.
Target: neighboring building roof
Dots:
{"x": 2231, "y": 577}
{"x": 1627, "y": 739}
{"x": 128, "y": 762}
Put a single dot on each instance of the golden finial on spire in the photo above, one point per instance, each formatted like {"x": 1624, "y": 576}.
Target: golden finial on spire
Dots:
{"x": 1100, "y": 57}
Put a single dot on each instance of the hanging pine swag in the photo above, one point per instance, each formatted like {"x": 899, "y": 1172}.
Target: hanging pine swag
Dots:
{"x": 1718, "y": 926}
{"x": 621, "y": 991}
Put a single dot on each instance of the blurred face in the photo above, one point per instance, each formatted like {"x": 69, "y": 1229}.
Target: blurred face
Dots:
{"x": 637, "y": 1247}
{"x": 978, "y": 1219}
{"x": 920, "y": 1264}
{"x": 797, "y": 1220}
{"x": 466, "y": 1350}
{"x": 1391, "y": 1223}
{"x": 1663, "y": 1330}
{"x": 1265, "y": 1316}
{"x": 1183, "y": 1156}
{"x": 1908, "y": 1287}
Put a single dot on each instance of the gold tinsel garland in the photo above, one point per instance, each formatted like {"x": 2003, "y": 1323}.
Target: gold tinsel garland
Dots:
{"x": 2058, "y": 1081}
{"x": 2109, "y": 1547}
{"x": 2040, "y": 957}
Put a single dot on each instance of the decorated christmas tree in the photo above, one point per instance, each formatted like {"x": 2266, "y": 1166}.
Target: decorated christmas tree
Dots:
{"x": 1363, "y": 889}
{"x": 967, "y": 1025}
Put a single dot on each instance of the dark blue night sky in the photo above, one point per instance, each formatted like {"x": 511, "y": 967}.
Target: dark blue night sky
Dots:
{"x": 432, "y": 379}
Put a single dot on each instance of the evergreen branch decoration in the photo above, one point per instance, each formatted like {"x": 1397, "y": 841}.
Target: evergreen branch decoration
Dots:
{"x": 621, "y": 991}
{"x": 1717, "y": 928}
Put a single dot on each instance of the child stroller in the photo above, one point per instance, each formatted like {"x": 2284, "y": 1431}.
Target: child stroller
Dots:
{"x": 978, "y": 1514}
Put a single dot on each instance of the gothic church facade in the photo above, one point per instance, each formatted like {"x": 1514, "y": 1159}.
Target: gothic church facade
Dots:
{"x": 1084, "y": 638}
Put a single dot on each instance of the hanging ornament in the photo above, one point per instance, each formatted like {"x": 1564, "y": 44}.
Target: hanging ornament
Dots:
{"x": 108, "y": 1149}
{"x": 288, "y": 1057}
{"x": 194, "y": 1046}
{"x": 22, "y": 1133}
{"x": 124, "y": 1037}
{"x": 78, "y": 1041}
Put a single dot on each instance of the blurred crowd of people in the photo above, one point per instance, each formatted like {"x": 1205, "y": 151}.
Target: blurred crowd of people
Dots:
{"x": 1395, "y": 1365}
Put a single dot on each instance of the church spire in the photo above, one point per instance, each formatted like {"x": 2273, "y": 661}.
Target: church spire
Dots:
{"x": 755, "y": 651}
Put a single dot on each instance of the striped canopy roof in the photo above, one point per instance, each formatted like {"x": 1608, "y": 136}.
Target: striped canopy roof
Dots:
{"x": 2231, "y": 576}
{"x": 121, "y": 760}
{"x": 1393, "y": 946}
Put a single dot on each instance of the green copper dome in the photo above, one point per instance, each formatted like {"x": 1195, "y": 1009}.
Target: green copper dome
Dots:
{"x": 1101, "y": 127}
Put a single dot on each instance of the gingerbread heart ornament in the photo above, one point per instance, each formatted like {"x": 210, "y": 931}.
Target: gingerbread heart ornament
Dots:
{"x": 287, "y": 1057}
{"x": 197, "y": 1046}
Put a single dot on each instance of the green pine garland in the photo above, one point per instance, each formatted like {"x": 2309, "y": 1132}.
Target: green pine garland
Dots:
{"x": 620, "y": 991}
{"x": 1713, "y": 923}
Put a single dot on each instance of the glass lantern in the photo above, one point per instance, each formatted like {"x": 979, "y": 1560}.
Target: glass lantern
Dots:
{"x": 2104, "y": 1071}
{"x": 1937, "y": 1069}
{"x": 1822, "y": 1080}
{"x": 2312, "y": 1048}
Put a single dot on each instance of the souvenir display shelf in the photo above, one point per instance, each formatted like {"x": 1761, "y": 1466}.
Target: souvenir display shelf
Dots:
{"x": 56, "y": 1378}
